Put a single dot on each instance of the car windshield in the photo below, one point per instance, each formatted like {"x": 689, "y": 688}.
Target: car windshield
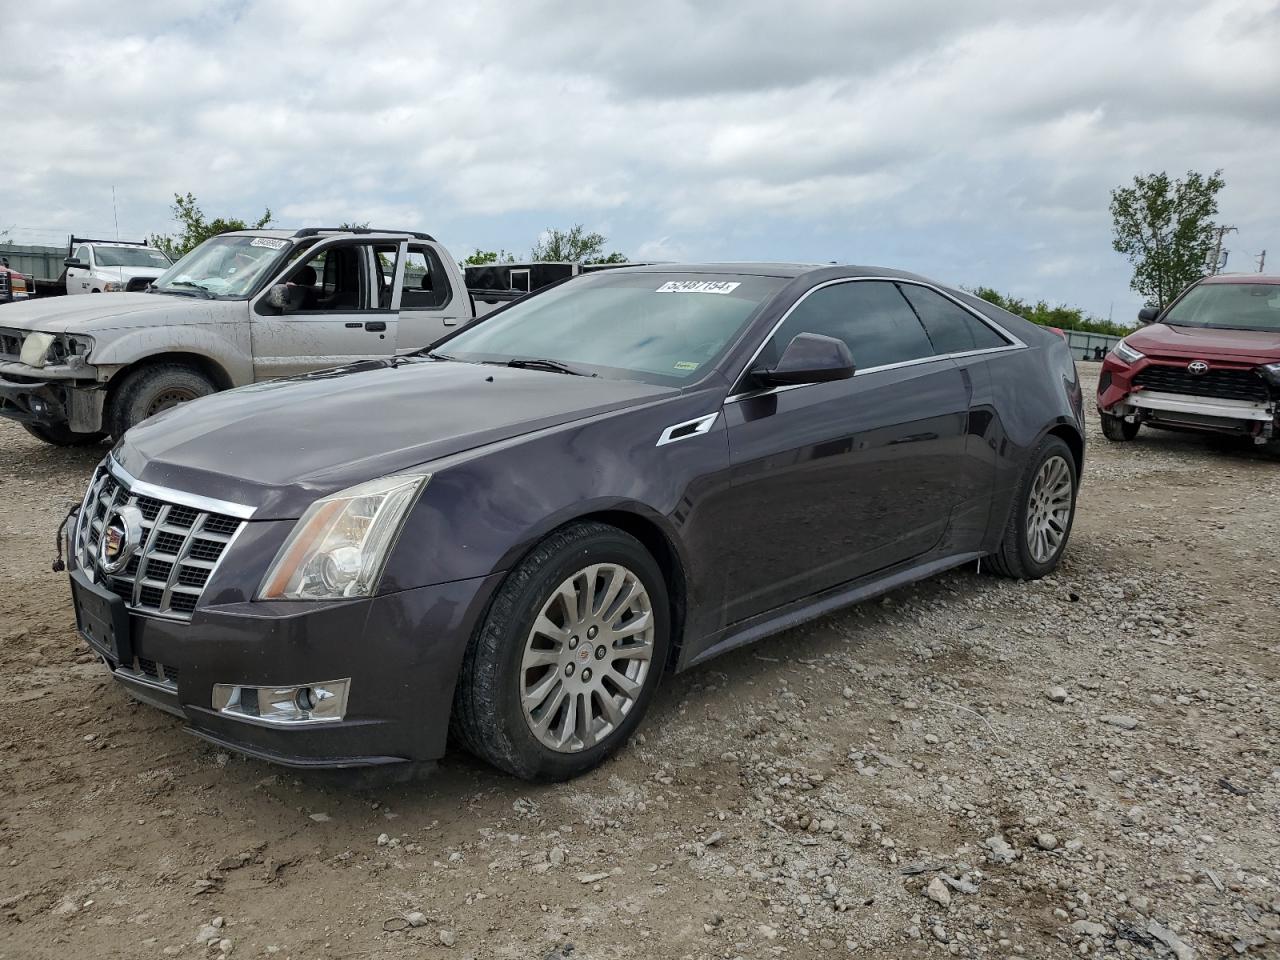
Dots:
{"x": 223, "y": 267}
{"x": 1232, "y": 306}
{"x": 130, "y": 257}
{"x": 653, "y": 327}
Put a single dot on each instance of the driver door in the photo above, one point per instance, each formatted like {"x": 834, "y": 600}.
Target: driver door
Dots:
{"x": 338, "y": 315}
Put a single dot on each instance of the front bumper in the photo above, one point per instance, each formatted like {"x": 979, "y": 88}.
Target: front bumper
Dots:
{"x": 55, "y": 397}
{"x": 1118, "y": 396}
{"x": 401, "y": 652}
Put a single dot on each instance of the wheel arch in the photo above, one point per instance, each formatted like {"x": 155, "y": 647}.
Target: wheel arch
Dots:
{"x": 209, "y": 367}
{"x": 660, "y": 546}
{"x": 1074, "y": 440}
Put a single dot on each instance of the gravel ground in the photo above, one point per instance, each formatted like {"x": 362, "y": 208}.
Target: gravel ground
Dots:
{"x": 970, "y": 767}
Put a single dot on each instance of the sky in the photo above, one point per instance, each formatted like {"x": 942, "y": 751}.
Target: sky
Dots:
{"x": 976, "y": 143}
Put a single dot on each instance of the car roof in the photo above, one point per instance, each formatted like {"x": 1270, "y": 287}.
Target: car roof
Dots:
{"x": 1242, "y": 278}
{"x": 766, "y": 269}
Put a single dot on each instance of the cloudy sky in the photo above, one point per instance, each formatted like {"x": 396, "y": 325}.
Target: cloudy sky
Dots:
{"x": 975, "y": 142}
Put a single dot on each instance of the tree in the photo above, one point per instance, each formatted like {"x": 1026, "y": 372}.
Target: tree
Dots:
{"x": 1062, "y": 316}
{"x": 574, "y": 245}
{"x": 1165, "y": 228}
{"x": 481, "y": 257}
{"x": 196, "y": 229}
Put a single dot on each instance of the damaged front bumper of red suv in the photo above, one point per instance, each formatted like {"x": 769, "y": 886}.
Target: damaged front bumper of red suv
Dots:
{"x": 1218, "y": 396}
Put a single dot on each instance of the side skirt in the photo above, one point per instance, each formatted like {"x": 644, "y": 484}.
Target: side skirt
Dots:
{"x": 810, "y": 608}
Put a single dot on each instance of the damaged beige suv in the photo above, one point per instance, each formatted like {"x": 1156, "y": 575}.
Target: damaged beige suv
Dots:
{"x": 243, "y": 306}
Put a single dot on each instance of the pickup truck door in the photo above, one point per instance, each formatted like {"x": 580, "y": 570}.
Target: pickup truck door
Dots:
{"x": 433, "y": 301}
{"x": 80, "y": 279}
{"x": 338, "y": 315}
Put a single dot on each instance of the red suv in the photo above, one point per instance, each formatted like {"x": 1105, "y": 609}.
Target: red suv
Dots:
{"x": 1210, "y": 362}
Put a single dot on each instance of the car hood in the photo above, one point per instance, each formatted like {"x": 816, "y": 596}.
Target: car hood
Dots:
{"x": 279, "y": 445}
{"x": 1203, "y": 343}
{"x": 90, "y": 312}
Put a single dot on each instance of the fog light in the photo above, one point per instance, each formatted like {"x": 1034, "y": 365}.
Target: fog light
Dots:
{"x": 283, "y": 706}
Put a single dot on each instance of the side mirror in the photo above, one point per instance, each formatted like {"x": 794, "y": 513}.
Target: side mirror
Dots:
{"x": 282, "y": 298}
{"x": 809, "y": 358}
{"x": 73, "y": 262}
{"x": 1148, "y": 314}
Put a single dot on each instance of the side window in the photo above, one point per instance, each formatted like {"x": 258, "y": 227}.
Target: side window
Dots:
{"x": 82, "y": 254}
{"x": 385, "y": 257}
{"x": 869, "y": 315}
{"x": 329, "y": 281}
{"x": 426, "y": 285}
{"x": 951, "y": 328}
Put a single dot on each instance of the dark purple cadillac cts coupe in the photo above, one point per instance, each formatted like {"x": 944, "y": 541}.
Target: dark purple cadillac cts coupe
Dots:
{"x": 512, "y": 536}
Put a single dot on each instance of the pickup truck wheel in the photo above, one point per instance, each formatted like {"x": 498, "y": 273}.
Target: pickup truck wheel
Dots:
{"x": 1118, "y": 428}
{"x": 151, "y": 390}
{"x": 567, "y": 659}
{"x": 60, "y": 435}
{"x": 1044, "y": 507}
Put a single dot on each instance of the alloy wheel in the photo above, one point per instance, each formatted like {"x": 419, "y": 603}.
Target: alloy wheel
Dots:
{"x": 587, "y": 657}
{"x": 1049, "y": 509}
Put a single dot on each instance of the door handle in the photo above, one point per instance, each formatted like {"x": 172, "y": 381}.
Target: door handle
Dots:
{"x": 377, "y": 326}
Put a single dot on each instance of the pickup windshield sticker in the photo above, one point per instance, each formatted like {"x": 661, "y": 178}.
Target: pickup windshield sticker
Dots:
{"x": 686, "y": 365}
{"x": 271, "y": 242}
{"x": 698, "y": 286}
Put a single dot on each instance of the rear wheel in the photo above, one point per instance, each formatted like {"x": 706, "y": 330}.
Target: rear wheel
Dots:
{"x": 1044, "y": 508}
{"x": 568, "y": 657}
{"x": 154, "y": 389}
{"x": 1118, "y": 428}
{"x": 60, "y": 435}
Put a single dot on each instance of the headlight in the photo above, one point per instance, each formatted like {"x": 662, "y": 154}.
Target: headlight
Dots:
{"x": 1126, "y": 352}
{"x": 341, "y": 544}
{"x": 35, "y": 349}
{"x": 1271, "y": 373}
{"x": 112, "y": 286}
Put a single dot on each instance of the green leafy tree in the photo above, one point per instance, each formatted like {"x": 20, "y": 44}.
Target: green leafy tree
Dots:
{"x": 197, "y": 228}
{"x": 1061, "y": 316}
{"x": 1165, "y": 227}
{"x": 574, "y": 245}
{"x": 481, "y": 257}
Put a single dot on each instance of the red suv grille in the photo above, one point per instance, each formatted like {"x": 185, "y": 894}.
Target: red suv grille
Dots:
{"x": 1227, "y": 384}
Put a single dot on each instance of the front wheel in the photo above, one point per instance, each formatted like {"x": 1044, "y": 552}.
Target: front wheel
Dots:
{"x": 1044, "y": 508}
{"x": 151, "y": 390}
{"x": 1118, "y": 428}
{"x": 60, "y": 435}
{"x": 568, "y": 657}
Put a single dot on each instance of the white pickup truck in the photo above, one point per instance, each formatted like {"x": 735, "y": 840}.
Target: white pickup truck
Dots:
{"x": 243, "y": 306}
{"x": 111, "y": 266}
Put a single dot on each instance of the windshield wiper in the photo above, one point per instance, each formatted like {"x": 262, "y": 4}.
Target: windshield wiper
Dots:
{"x": 538, "y": 363}
{"x": 194, "y": 286}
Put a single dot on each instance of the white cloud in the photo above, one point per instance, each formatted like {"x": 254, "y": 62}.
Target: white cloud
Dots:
{"x": 947, "y": 138}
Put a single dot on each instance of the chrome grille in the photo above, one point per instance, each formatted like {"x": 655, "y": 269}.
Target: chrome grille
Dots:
{"x": 181, "y": 547}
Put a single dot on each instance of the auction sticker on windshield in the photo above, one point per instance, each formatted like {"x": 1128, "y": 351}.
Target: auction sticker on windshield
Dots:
{"x": 698, "y": 286}
{"x": 270, "y": 242}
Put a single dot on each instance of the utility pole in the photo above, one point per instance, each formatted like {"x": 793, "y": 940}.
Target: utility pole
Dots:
{"x": 1216, "y": 263}
{"x": 1262, "y": 261}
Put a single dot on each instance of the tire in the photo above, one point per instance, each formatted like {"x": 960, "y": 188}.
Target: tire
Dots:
{"x": 149, "y": 390}
{"x": 1016, "y": 557}
{"x": 489, "y": 718}
{"x": 60, "y": 435}
{"x": 1118, "y": 428}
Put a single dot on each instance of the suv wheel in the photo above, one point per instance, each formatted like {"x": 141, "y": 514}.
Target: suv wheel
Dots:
{"x": 1044, "y": 507}
{"x": 1118, "y": 428}
{"x": 150, "y": 390}
{"x": 567, "y": 659}
{"x": 60, "y": 435}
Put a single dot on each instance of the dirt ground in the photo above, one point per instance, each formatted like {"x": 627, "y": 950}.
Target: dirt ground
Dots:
{"x": 971, "y": 767}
